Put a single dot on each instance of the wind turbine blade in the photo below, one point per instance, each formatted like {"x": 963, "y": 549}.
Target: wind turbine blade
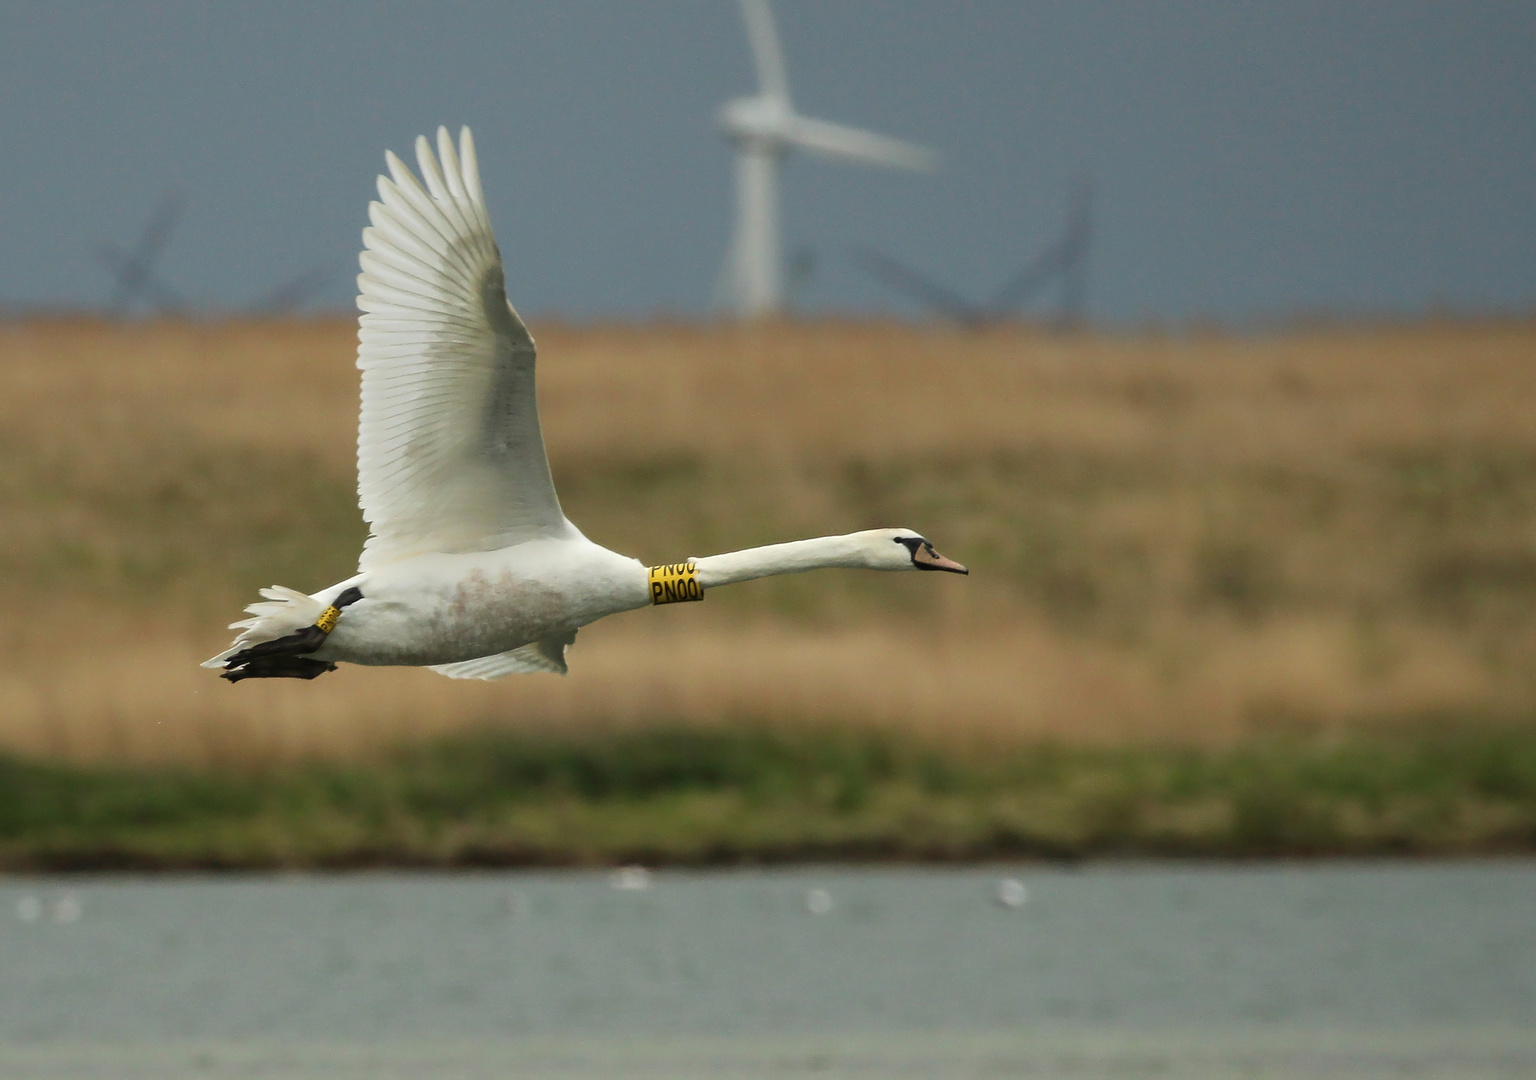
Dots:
{"x": 119, "y": 266}
{"x": 1064, "y": 259}
{"x": 135, "y": 280}
{"x": 133, "y": 268}
{"x": 1024, "y": 285}
{"x": 158, "y": 231}
{"x": 1079, "y": 217}
{"x": 766, "y": 53}
{"x": 162, "y": 297}
{"x": 295, "y": 291}
{"x": 836, "y": 140}
{"x": 1074, "y": 258}
{"x": 925, "y": 291}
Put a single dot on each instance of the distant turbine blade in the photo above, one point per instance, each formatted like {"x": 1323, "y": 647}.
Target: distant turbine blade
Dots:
{"x": 1024, "y": 285}
{"x": 295, "y": 292}
{"x": 118, "y": 264}
{"x": 1080, "y": 216}
{"x": 766, "y": 54}
{"x": 158, "y": 231}
{"x": 1074, "y": 270}
{"x": 135, "y": 280}
{"x": 134, "y": 269}
{"x": 836, "y": 140}
{"x": 164, "y": 299}
{"x": 925, "y": 291}
{"x": 1063, "y": 259}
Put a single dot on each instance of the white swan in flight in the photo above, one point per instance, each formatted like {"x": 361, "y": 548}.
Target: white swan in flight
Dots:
{"x": 470, "y": 567}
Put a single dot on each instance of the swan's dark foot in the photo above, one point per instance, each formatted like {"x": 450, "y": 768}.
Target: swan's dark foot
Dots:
{"x": 288, "y": 657}
{"x": 277, "y": 667}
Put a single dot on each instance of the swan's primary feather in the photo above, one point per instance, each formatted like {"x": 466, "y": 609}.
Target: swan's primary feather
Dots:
{"x": 547, "y": 655}
{"x": 449, "y": 453}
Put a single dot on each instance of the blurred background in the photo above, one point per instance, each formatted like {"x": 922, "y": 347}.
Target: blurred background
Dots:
{"x": 1249, "y": 162}
{"x": 1201, "y": 332}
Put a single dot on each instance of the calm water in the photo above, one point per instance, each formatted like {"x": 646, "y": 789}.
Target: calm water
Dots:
{"x": 1381, "y": 970}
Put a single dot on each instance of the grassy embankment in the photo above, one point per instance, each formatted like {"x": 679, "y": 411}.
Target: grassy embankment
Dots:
{"x": 1184, "y": 547}
{"x": 757, "y": 794}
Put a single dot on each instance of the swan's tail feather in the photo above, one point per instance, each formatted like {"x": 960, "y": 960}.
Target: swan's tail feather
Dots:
{"x": 284, "y": 611}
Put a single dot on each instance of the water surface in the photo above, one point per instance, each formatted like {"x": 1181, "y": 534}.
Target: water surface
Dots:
{"x": 1290, "y": 970}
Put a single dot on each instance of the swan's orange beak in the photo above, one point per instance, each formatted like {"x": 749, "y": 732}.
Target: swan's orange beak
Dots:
{"x": 925, "y": 558}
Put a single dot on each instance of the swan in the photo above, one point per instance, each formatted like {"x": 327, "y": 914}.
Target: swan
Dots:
{"x": 470, "y": 567}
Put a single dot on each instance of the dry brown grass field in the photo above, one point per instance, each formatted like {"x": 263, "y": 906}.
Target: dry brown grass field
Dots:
{"x": 1189, "y": 537}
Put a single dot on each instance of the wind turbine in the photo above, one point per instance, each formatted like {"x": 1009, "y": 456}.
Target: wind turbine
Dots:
{"x": 1064, "y": 260}
{"x": 763, "y": 128}
{"x": 135, "y": 270}
{"x": 137, "y": 279}
{"x": 290, "y": 295}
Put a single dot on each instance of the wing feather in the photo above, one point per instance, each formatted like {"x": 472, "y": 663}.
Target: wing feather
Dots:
{"x": 453, "y": 172}
{"x": 437, "y": 187}
{"x": 469, "y": 172}
{"x": 406, "y": 282}
{"x": 546, "y": 655}
{"x": 398, "y": 209}
{"x": 429, "y": 218}
{"x": 389, "y": 228}
{"x": 450, "y": 455}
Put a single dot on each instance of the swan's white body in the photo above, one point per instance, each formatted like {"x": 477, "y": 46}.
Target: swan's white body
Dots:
{"x": 470, "y": 567}
{"x": 433, "y": 610}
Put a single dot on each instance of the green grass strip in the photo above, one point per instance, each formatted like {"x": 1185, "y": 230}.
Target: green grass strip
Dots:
{"x": 765, "y": 794}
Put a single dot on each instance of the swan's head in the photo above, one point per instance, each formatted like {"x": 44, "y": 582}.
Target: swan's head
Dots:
{"x": 903, "y": 549}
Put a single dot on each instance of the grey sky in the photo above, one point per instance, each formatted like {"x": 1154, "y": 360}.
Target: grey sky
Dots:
{"x": 1252, "y": 161}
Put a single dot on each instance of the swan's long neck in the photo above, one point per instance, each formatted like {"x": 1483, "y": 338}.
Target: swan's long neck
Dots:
{"x": 791, "y": 558}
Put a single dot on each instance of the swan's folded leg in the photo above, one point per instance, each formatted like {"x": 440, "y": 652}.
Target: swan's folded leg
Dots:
{"x": 287, "y": 657}
{"x": 279, "y": 667}
{"x": 298, "y": 643}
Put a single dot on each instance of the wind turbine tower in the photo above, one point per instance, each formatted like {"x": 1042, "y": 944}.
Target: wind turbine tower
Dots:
{"x": 763, "y": 128}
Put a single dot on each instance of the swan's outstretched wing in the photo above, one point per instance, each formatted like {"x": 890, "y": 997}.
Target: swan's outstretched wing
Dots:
{"x": 449, "y": 453}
